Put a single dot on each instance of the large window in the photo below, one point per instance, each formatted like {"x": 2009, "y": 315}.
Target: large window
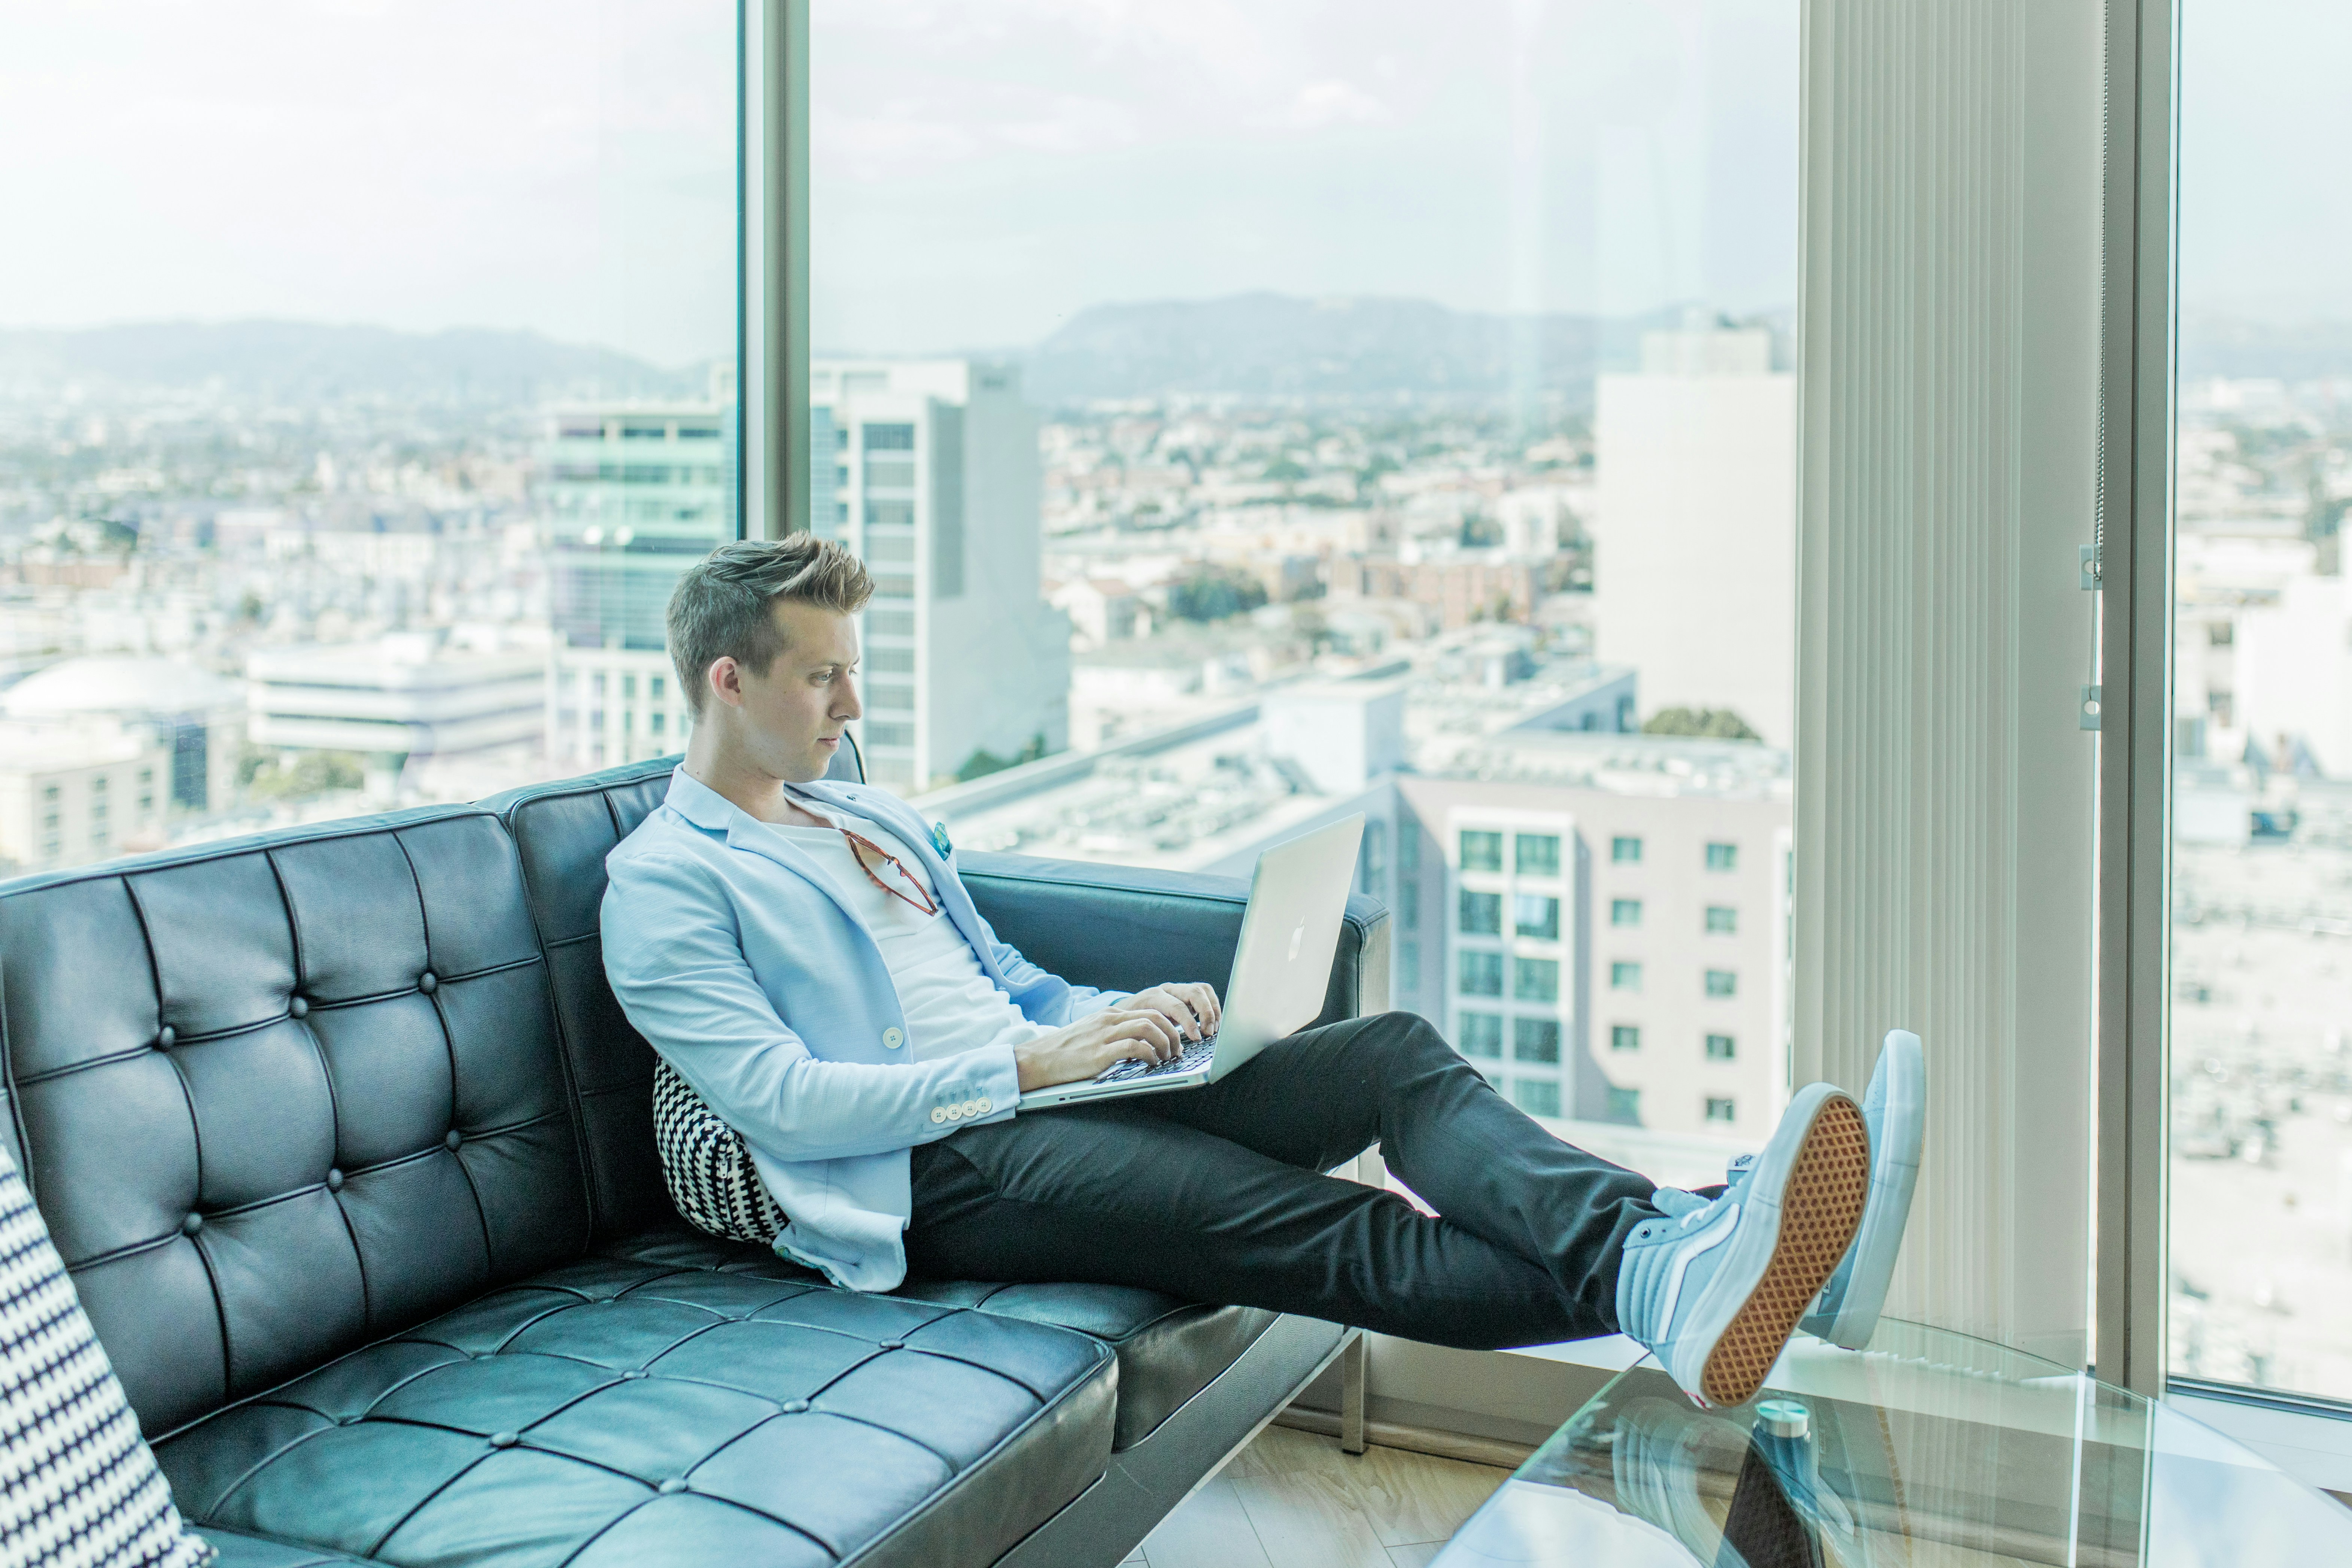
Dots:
{"x": 1331, "y": 407}
{"x": 2262, "y": 855}
{"x": 370, "y": 377}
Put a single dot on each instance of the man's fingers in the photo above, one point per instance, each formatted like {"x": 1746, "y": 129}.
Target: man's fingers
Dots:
{"x": 1144, "y": 1024}
{"x": 1167, "y": 1002}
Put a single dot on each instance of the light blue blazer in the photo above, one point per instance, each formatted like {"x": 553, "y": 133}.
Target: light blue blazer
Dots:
{"x": 738, "y": 955}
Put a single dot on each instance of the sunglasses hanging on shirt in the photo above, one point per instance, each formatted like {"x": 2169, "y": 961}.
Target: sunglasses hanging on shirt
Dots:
{"x": 861, "y": 847}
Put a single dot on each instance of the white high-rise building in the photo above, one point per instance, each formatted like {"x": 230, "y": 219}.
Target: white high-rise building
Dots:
{"x": 934, "y": 482}
{"x": 1610, "y": 955}
{"x": 1694, "y": 537}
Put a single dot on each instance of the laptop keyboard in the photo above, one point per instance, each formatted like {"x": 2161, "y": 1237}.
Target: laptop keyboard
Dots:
{"x": 1195, "y": 1055}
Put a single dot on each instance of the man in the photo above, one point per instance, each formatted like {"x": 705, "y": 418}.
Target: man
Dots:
{"x": 804, "y": 955}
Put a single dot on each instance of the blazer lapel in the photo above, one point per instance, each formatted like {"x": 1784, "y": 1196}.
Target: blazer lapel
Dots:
{"x": 706, "y": 808}
{"x": 745, "y": 833}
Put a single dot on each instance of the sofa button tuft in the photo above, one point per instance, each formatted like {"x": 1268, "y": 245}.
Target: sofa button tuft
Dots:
{"x": 795, "y": 1406}
{"x": 429, "y": 983}
{"x": 164, "y": 1036}
{"x": 193, "y": 1223}
{"x": 298, "y": 1007}
{"x": 503, "y": 1439}
{"x": 891, "y": 1345}
{"x": 334, "y": 1180}
{"x": 635, "y": 1373}
{"x": 673, "y": 1486}
{"x": 454, "y": 1139}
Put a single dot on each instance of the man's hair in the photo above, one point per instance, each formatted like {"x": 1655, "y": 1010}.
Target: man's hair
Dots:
{"x": 724, "y": 604}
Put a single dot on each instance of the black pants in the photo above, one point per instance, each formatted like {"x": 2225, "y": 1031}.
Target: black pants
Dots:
{"x": 1216, "y": 1195}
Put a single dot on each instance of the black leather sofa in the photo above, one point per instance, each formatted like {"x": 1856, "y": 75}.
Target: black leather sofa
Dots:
{"x": 347, "y": 1148}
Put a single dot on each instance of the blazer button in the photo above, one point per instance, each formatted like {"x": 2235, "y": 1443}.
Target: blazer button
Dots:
{"x": 938, "y": 1114}
{"x": 985, "y": 1106}
{"x": 954, "y": 1113}
{"x": 969, "y": 1108}
{"x": 893, "y": 1037}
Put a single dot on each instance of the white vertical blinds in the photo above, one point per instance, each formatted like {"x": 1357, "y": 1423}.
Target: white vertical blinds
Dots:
{"x": 1948, "y": 330}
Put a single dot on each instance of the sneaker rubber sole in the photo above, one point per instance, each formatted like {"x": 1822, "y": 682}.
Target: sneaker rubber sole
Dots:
{"x": 1819, "y": 1209}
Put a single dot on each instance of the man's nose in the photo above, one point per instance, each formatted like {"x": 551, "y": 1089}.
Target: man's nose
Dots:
{"x": 849, "y": 707}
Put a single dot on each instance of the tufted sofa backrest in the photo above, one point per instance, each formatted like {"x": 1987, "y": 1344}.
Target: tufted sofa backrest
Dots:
{"x": 563, "y": 832}
{"x": 278, "y": 1098}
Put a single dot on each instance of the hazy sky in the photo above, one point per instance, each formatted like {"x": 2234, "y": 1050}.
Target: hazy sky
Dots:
{"x": 986, "y": 169}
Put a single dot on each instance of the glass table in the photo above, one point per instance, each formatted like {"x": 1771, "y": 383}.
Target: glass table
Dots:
{"x": 1925, "y": 1450}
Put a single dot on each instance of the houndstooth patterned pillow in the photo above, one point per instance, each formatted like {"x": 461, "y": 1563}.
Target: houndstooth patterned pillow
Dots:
{"x": 78, "y": 1487}
{"x": 707, "y": 1166}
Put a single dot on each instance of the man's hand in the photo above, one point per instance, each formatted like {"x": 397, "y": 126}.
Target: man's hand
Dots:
{"x": 1189, "y": 1005}
{"x": 1084, "y": 1048}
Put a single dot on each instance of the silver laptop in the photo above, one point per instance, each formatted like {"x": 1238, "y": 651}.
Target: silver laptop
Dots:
{"x": 1282, "y": 968}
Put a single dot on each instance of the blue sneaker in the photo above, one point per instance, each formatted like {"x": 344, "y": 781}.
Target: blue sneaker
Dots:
{"x": 1714, "y": 1288}
{"x": 1894, "y": 1107}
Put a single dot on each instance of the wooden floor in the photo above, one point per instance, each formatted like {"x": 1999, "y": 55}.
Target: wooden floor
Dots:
{"x": 1292, "y": 1500}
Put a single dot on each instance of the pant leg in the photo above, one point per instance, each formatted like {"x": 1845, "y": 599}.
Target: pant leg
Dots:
{"x": 1116, "y": 1194}
{"x": 1321, "y": 1095}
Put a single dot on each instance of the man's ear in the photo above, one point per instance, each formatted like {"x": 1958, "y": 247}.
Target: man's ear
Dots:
{"x": 724, "y": 680}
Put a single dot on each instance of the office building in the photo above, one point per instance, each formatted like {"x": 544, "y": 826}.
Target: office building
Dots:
{"x": 72, "y": 792}
{"x": 934, "y": 483}
{"x": 407, "y": 694}
{"x": 1694, "y": 533}
{"x": 196, "y": 717}
{"x": 634, "y": 493}
{"x": 1602, "y": 926}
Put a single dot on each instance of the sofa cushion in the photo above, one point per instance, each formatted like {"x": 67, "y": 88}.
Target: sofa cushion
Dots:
{"x": 280, "y": 1099}
{"x": 1167, "y": 1349}
{"x": 617, "y": 1411}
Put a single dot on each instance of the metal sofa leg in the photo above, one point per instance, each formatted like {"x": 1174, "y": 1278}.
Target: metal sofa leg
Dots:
{"x": 1351, "y": 1394}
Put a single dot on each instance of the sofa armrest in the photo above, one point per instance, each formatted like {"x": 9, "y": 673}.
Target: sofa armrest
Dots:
{"x": 1122, "y": 928}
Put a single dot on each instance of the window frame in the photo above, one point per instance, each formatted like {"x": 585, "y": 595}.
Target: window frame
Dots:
{"x": 774, "y": 453}
{"x": 2132, "y": 570}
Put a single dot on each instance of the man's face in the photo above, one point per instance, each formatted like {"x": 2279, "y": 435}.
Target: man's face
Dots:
{"x": 791, "y": 718}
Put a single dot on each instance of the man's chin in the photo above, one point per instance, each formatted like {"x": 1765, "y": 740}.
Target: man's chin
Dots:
{"x": 817, "y": 764}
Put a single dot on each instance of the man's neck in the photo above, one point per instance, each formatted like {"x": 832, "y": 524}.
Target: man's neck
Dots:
{"x": 742, "y": 784}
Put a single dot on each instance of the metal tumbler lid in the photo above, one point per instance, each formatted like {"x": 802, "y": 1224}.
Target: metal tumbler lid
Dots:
{"x": 1785, "y": 1417}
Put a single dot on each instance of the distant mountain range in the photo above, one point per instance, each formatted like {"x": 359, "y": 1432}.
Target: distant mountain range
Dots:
{"x": 1279, "y": 345}
{"x": 2214, "y": 344}
{"x": 1250, "y": 345}
{"x": 303, "y": 362}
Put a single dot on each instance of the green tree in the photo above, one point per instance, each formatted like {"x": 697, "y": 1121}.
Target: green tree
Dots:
{"x": 268, "y": 778}
{"x": 983, "y": 762}
{"x": 1702, "y": 723}
{"x": 1215, "y": 593}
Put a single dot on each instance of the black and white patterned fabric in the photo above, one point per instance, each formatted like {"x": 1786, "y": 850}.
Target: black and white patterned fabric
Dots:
{"x": 707, "y": 1166}
{"x": 79, "y": 1489}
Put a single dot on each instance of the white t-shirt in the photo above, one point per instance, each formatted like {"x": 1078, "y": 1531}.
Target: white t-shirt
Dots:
{"x": 950, "y": 1003}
